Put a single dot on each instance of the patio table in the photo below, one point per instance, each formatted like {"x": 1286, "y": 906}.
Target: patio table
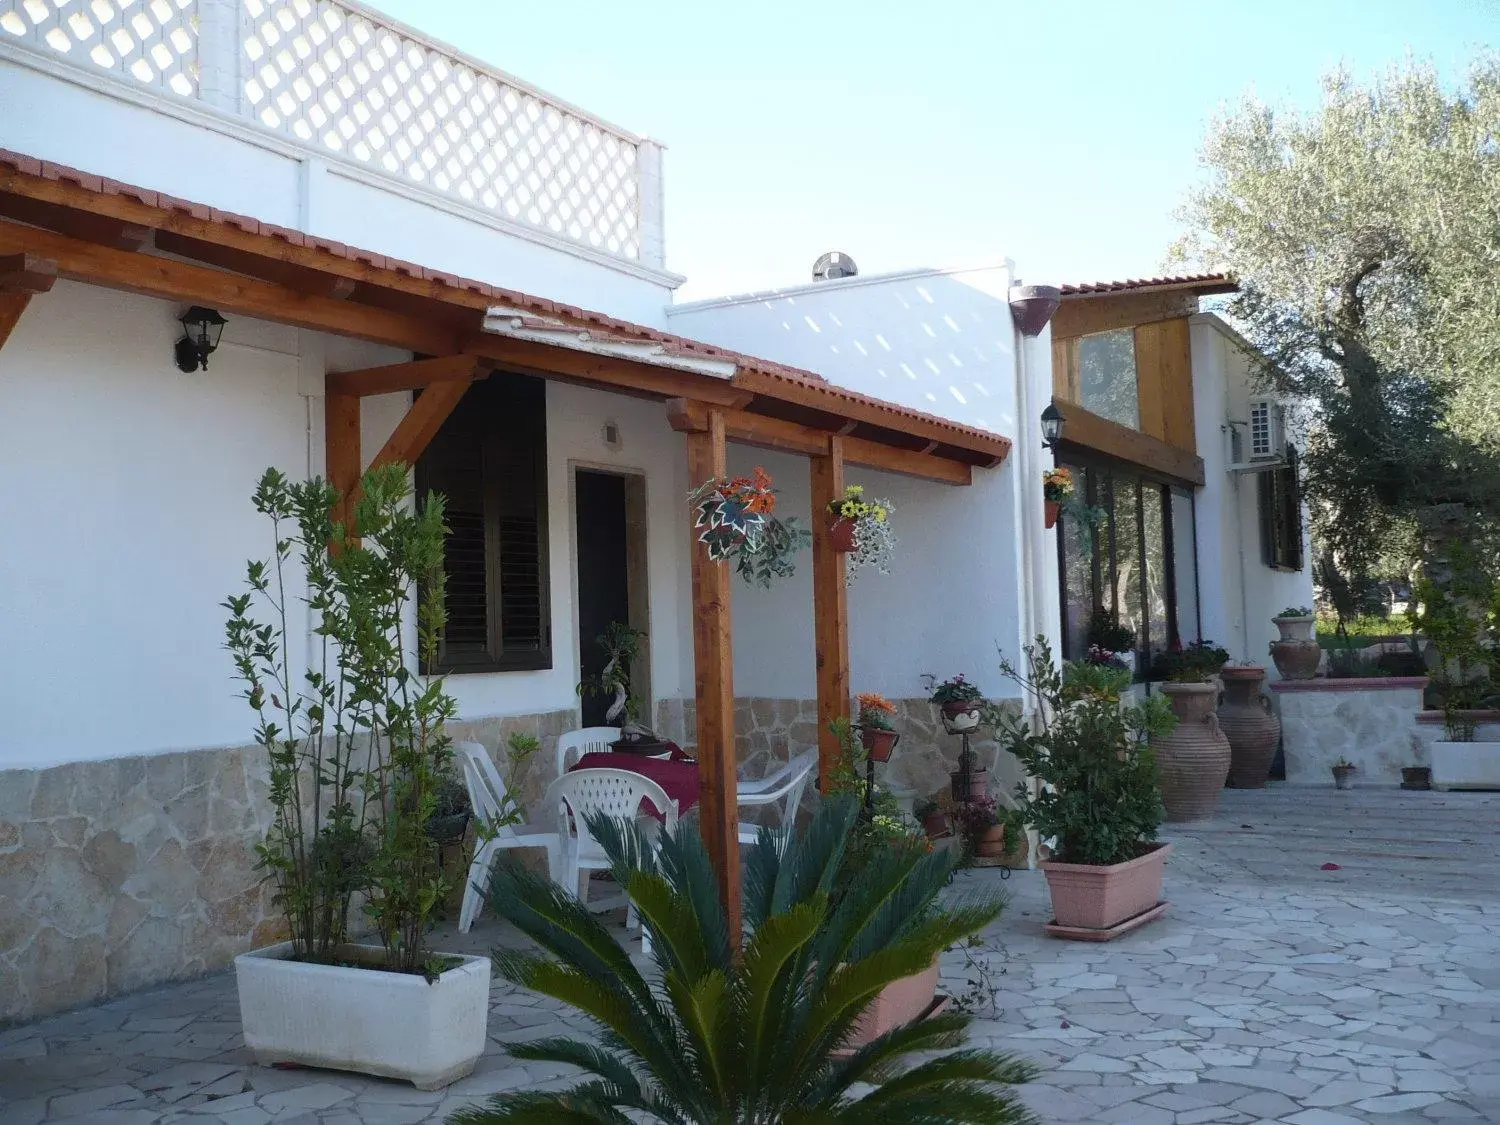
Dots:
{"x": 678, "y": 777}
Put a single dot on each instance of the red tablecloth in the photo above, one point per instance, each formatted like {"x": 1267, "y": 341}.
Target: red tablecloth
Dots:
{"x": 679, "y": 779}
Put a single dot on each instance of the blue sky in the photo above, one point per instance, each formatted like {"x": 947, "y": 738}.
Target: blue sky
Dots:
{"x": 1062, "y": 134}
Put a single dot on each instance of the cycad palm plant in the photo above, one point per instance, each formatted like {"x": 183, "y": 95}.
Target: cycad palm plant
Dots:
{"x": 712, "y": 1038}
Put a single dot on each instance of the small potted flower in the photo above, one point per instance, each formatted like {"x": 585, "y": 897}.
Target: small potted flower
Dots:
{"x": 1343, "y": 774}
{"x": 877, "y": 726}
{"x": 1106, "y": 631}
{"x": 861, "y": 528}
{"x": 961, "y": 703}
{"x": 981, "y": 828}
{"x": 1057, "y": 487}
{"x": 1295, "y": 623}
{"x": 934, "y": 819}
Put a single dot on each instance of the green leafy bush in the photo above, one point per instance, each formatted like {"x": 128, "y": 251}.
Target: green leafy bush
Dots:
{"x": 1090, "y": 751}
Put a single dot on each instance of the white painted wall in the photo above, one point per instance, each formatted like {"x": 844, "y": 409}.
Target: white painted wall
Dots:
{"x": 128, "y": 521}
{"x": 123, "y": 131}
{"x": 942, "y": 342}
{"x": 1238, "y": 592}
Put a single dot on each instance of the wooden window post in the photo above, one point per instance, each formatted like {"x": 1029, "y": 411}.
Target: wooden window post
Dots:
{"x": 713, "y": 682}
{"x": 341, "y": 451}
{"x": 830, "y": 607}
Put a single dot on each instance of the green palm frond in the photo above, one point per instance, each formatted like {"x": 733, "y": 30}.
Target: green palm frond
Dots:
{"x": 717, "y": 1040}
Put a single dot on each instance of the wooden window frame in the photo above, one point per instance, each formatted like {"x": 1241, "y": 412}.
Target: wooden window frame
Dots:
{"x": 496, "y": 658}
{"x": 1279, "y": 506}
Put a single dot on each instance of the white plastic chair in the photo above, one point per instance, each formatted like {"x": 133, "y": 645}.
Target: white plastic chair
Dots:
{"x": 616, "y": 793}
{"x": 788, "y": 782}
{"x": 576, "y": 743}
{"x": 487, "y": 796}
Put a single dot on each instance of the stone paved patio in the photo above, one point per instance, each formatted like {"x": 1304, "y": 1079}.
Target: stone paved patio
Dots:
{"x": 1274, "y": 991}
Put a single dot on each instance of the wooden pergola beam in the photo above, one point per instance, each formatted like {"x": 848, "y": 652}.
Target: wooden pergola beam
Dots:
{"x": 119, "y": 234}
{"x": 183, "y": 281}
{"x": 713, "y": 684}
{"x": 758, "y": 430}
{"x": 341, "y": 450}
{"x": 989, "y": 450}
{"x": 421, "y": 423}
{"x": 403, "y": 376}
{"x": 26, "y": 273}
{"x": 12, "y": 305}
{"x": 830, "y": 607}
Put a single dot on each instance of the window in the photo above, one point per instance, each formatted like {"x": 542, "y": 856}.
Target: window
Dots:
{"x": 489, "y": 460}
{"x": 1140, "y": 561}
{"x": 1101, "y": 376}
{"x": 1280, "y": 497}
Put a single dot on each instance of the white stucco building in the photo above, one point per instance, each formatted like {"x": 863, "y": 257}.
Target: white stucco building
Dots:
{"x": 356, "y": 199}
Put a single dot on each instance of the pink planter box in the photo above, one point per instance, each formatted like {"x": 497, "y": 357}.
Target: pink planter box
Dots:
{"x": 1088, "y": 896}
{"x": 899, "y": 1002}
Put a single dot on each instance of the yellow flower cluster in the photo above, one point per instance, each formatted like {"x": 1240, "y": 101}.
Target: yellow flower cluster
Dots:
{"x": 854, "y": 507}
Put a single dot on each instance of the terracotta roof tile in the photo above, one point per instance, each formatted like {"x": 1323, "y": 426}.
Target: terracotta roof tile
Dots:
{"x": 27, "y": 165}
{"x": 1213, "y": 282}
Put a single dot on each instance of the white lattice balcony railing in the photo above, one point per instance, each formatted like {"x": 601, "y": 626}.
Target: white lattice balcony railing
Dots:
{"x": 343, "y": 78}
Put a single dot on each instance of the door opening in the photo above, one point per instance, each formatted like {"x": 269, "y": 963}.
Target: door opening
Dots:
{"x": 610, "y": 528}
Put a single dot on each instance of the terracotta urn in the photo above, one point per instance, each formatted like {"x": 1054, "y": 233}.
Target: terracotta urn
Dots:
{"x": 841, "y": 532}
{"x": 1252, "y": 728}
{"x": 1296, "y": 660}
{"x": 878, "y": 742}
{"x": 1193, "y": 760}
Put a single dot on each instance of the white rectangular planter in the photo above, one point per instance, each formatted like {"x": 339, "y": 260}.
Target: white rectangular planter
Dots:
{"x": 396, "y": 1025}
{"x": 1465, "y": 765}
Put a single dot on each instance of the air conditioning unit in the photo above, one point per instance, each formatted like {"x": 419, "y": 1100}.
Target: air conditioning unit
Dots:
{"x": 1260, "y": 443}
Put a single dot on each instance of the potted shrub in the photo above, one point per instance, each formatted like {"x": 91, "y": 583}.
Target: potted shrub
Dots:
{"x": 1095, "y": 792}
{"x": 961, "y": 704}
{"x": 1343, "y": 774}
{"x": 1057, "y": 489}
{"x": 981, "y": 828}
{"x": 861, "y": 528}
{"x": 1109, "y": 634}
{"x": 368, "y": 739}
{"x": 1193, "y": 758}
{"x": 451, "y": 810}
{"x": 1297, "y": 655}
{"x": 877, "y": 726}
{"x": 933, "y": 819}
{"x": 735, "y": 519}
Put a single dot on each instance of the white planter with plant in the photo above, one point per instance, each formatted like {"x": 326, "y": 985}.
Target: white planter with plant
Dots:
{"x": 358, "y": 755}
{"x": 1296, "y": 623}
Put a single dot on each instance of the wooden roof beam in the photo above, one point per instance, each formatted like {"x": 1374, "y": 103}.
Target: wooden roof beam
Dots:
{"x": 404, "y": 376}
{"x": 26, "y": 273}
{"x": 119, "y": 234}
{"x": 687, "y": 416}
{"x": 172, "y": 280}
{"x": 990, "y": 450}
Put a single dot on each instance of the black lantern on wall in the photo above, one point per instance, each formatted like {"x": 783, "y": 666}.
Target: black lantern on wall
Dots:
{"x": 1052, "y": 426}
{"x": 201, "y": 329}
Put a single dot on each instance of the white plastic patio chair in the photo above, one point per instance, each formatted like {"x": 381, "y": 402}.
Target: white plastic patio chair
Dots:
{"x": 576, "y": 743}
{"x": 787, "y": 783}
{"x": 616, "y": 793}
{"x": 487, "y": 796}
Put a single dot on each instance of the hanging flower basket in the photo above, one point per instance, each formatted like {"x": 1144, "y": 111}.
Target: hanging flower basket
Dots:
{"x": 1057, "y": 488}
{"x": 861, "y": 528}
{"x": 735, "y": 519}
{"x": 876, "y": 733}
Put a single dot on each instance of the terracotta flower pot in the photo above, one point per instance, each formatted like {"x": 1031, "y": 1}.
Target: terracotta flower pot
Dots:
{"x": 1053, "y": 510}
{"x": 1193, "y": 760}
{"x": 1416, "y": 777}
{"x": 897, "y": 1003}
{"x": 935, "y": 824}
{"x": 1093, "y": 897}
{"x": 841, "y": 533}
{"x": 878, "y": 742}
{"x": 1296, "y": 660}
{"x": 1253, "y": 731}
{"x": 992, "y": 843}
{"x": 979, "y": 784}
{"x": 1343, "y": 777}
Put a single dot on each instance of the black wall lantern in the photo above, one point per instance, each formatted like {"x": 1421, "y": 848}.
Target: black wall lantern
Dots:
{"x": 1052, "y": 426}
{"x": 201, "y": 329}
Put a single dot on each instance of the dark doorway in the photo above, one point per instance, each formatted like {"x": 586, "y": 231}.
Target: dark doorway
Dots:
{"x": 603, "y": 574}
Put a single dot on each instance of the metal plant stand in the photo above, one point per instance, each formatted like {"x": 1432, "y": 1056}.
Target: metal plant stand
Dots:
{"x": 965, "y": 796}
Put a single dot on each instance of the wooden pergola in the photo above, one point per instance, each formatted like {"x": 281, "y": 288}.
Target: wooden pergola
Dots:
{"x": 57, "y": 222}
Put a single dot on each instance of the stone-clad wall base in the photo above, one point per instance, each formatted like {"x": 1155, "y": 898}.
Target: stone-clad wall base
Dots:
{"x": 770, "y": 732}
{"x": 120, "y": 874}
{"x": 1370, "y": 722}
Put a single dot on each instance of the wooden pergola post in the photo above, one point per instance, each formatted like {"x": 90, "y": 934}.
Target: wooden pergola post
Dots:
{"x": 830, "y": 607}
{"x": 713, "y": 681}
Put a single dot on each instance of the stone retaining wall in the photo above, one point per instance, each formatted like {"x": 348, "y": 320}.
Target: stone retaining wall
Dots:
{"x": 1369, "y": 721}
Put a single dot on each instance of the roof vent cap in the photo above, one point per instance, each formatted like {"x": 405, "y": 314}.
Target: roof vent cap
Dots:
{"x": 833, "y": 265}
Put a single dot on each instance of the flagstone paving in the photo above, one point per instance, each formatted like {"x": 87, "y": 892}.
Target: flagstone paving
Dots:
{"x": 1273, "y": 991}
